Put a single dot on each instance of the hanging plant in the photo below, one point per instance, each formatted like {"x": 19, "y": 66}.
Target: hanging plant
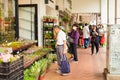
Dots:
{"x": 66, "y": 18}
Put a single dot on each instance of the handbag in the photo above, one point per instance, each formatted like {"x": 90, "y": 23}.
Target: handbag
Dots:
{"x": 70, "y": 39}
{"x": 65, "y": 66}
{"x": 102, "y": 40}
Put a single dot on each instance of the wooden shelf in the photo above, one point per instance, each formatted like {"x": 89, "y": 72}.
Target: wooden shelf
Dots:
{"x": 30, "y": 62}
{"x": 48, "y": 31}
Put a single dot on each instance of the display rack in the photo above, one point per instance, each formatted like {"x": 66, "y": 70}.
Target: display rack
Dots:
{"x": 26, "y": 45}
{"x": 48, "y": 35}
{"x": 19, "y": 48}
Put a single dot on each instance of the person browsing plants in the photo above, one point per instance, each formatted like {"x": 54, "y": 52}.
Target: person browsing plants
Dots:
{"x": 61, "y": 47}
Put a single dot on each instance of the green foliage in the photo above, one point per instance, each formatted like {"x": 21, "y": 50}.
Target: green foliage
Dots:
{"x": 14, "y": 45}
{"x": 46, "y": 49}
{"x": 43, "y": 66}
{"x": 1, "y": 61}
{"x": 38, "y": 68}
{"x": 51, "y": 57}
{"x": 48, "y": 35}
{"x": 66, "y": 18}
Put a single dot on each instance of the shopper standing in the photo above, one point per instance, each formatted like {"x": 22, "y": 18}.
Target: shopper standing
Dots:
{"x": 101, "y": 34}
{"x": 74, "y": 34}
{"x": 86, "y": 35}
{"x": 61, "y": 47}
{"x": 94, "y": 39}
{"x": 81, "y": 39}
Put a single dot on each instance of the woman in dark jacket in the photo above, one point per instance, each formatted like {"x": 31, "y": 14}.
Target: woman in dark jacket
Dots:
{"x": 74, "y": 34}
{"x": 94, "y": 40}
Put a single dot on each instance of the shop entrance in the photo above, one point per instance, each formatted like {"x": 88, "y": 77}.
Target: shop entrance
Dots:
{"x": 28, "y": 22}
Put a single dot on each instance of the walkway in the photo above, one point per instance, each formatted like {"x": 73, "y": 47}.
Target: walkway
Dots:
{"x": 88, "y": 67}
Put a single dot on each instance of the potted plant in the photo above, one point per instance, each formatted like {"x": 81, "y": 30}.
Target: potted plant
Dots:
{"x": 33, "y": 72}
{"x": 66, "y": 18}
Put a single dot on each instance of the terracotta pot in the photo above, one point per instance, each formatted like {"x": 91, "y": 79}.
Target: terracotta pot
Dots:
{"x": 47, "y": 70}
{"x": 41, "y": 77}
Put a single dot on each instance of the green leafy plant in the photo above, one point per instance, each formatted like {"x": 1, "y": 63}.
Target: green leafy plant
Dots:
{"x": 33, "y": 72}
{"x": 66, "y": 18}
{"x": 46, "y": 49}
{"x": 48, "y": 35}
{"x": 43, "y": 66}
{"x": 51, "y": 57}
{"x": 1, "y": 61}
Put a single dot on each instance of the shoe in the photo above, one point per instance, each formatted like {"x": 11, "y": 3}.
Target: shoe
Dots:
{"x": 85, "y": 47}
{"x": 74, "y": 61}
{"x": 58, "y": 71}
{"x": 97, "y": 52}
{"x": 92, "y": 54}
{"x": 64, "y": 74}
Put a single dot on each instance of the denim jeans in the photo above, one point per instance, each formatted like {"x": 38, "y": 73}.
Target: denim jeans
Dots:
{"x": 86, "y": 42}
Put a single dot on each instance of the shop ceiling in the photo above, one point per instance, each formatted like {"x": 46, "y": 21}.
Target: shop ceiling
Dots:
{"x": 86, "y": 6}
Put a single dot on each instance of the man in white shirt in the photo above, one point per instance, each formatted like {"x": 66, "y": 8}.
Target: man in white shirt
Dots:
{"x": 86, "y": 35}
{"x": 61, "y": 47}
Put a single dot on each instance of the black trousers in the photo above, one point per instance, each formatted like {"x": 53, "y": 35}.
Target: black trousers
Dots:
{"x": 94, "y": 44}
{"x": 74, "y": 51}
{"x": 100, "y": 40}
{"x": 70, "y": 48}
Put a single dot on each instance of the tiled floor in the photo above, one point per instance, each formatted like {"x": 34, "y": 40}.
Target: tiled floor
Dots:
{"x": 88, "y": 67}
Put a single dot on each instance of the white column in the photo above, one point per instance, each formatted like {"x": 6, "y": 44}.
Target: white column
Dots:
{"x": 104, "y": 18}
{"x": 118, "y": 11}
{"x": 41, "y": 13}
{"x": 112, "y": 56}
{"x": 104, "y": 12}
{"x": 111, "y": 11}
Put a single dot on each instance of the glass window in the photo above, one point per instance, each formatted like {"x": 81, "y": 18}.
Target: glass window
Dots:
{"x": 7, "y": 16}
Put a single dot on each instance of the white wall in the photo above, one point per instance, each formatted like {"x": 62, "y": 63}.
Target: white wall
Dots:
{"x": 86, "y": 6}
{"x": 60, "y": 4}
{"x": 66, "y": 5}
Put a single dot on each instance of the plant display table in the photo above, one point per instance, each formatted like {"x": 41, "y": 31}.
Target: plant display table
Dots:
{"x": 33, "y": 60}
